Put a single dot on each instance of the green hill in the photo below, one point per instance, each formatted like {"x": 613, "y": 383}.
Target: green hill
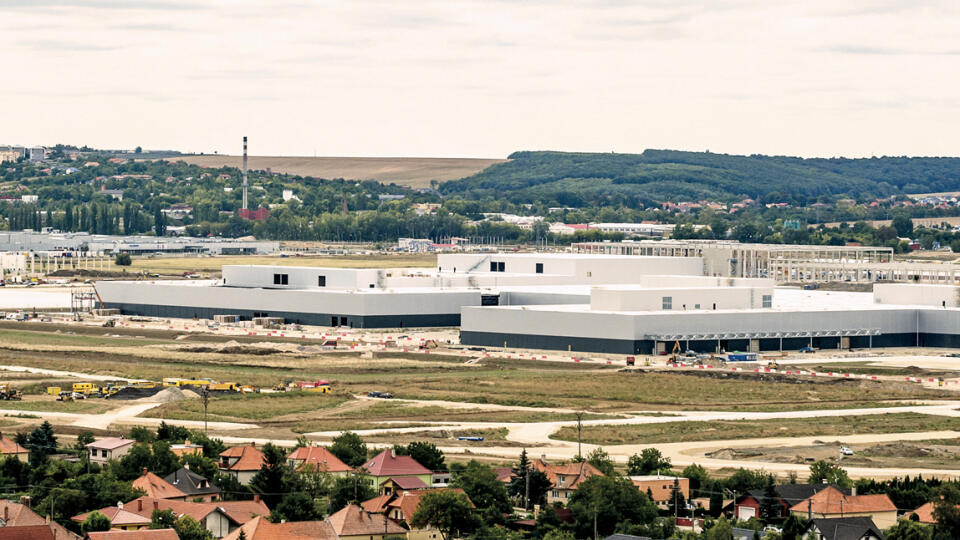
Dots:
{"x": 577, "y": 179}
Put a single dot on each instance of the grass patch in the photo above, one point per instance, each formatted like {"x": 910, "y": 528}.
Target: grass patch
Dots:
{"x": 248, "y": 406}
{"x": 716, "y": 430}
{"x": 81, "y": 406}
{"x": 19, "y": 338}
{"x": 864, "y": 368}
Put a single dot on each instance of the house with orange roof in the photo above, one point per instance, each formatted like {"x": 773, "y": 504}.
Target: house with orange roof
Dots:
{"x": 354, "y": 523}
{"x": 47, "y": 531}
{"x": 402, "y": 506}
{"x": 16, "y": 516}
{"x": 144, "y": 534}
{"x": 564, "y": 478}
{"x": 319, "y": 459}
{"x": 10, "y": 448}
{"x": 219, "y": 518}
{"x": 388, "y": 465}
{"x": 261, "y": 529}
{"x": 186, "y": 449}
{"x": 120, "y": 519}
{"x": 832, "y": 503}
{"x": 242, "y": 462}
{"x": 158, "y": 488}
{"x": 925, "y": 513}
{"x": 660, "y": 487}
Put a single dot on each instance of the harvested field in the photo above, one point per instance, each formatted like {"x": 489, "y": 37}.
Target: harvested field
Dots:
{"x": 410, "y": 172}
{"x": 248, "y": 406}
{"x": 717, "y": 430}
{"x": 211, "y": 265}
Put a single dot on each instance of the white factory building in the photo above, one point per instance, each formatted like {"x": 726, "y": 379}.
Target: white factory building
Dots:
{"x": 623, "y": 304}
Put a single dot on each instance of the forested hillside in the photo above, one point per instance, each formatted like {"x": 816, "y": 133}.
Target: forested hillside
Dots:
{"x": 582, "y": 179}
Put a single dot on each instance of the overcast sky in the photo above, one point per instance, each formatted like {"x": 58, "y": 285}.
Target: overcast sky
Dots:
{"x": 484, "y": 78}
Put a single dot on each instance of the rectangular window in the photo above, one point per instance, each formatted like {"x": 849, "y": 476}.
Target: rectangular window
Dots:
{"x": 321, "y": 281}
{"x": 493, "y": 266}
{"x": 696, "y": 306}
{"x": 501, "y": 267}
{"x": 667, "y": 302}
{"x": 280, "y": 279}
{"x": 539, "y": 268}
{"x": 768, "y": 300}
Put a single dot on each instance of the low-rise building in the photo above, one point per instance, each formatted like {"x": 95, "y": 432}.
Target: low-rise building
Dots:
{"x": 157, "y": 488}
{"x": 354, "y": 523}
{"x": 660, "y": 488}
{"x": 749, "y": 504}
{"x": 402, "y": 505}
{"x": 194, "y": 485}
{"x": 319, "y": 459}
{"x": 564, "y": 478}
{"x": 832, "y": 503}
{"x": 142, "y": 534}
{"x": 108, "y": 448}
{"x": 388, "y": 465}
{"x": 10, "y": 448}
{"x": 849, "y": 528}
{"x": 242, "y": 462}
{"x": 19, "y": 521}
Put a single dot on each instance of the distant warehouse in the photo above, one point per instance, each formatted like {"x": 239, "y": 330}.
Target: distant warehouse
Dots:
{"x": 625, "y": 304}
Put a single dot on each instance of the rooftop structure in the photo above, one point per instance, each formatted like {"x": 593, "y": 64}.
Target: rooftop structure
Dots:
{"x": 56, "y": 242}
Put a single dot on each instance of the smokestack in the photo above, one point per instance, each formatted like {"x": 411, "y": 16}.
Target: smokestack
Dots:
{"x": 244, "y": 172}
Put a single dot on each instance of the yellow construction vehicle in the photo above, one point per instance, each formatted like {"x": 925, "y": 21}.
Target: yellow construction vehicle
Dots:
{"x": 143, "y": 384}
{"x": 225, "y": 387}
{"x": 85, "y": 388}
{"x": 65, "y": 396}
{"x": 8, "y": 392}
{"x": 54, "y": 390}
{"x": 675, "y": 353}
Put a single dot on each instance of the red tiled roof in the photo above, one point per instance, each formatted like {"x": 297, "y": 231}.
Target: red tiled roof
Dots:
{"x": 10, "y": 446}
{"x": 925, "y": 513}
{"x": 143, "y": 534}
{"x": 117, "y": 516}
{"x": 376, "y": 504}
{"x": 250, "y": 458}
{"x": 352, "y": 520}
{"x": 18, "y": 515}
{"x": 46, "y": 531}
{"x": 261, "y": 529}
{"x": 504, "y": 474}
{"x": 157, "y": 487}
{"x": 387, "y": 463}
{"x": 409, "y": 482}
{"x": 405, "y": 501}
{"x": 579, "y": 471}
{"x": 110, "y": 443}
{"x": 319, "y": 457}
{"x": 243, "y": 511}
{"x": 830, "y": 501}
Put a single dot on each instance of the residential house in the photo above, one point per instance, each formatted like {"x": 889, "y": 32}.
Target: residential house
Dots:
{"x": 401, "y": 506}
{"x": 849, "y": 528}
{"x": 564, "y": 478}
{"x": 319, "y": 459}
{"x": 10, "y": 448}
{"x": 108, "y": 448}
{"x": 388, "y": 465}
{"x": 186, "y": 449}
{"x": 354, "y": 523}
{"x": 219, "y": 518}
{"x": 833, "y": 503}
{"x": 660, "y": 487}
{"x": 143, "y": 534}
{"x": 29, "y": 524}
{"x": 261, "y": 529}
{"x": 401, "y": 484}
{"x": 47, "y": 531}
{"x": 242, "y": 462}
{"x": 195, "y": 486}
{"x": 749, "y": 504}
{"x": 120, "y": 519}
{"x": 158, "y": 488}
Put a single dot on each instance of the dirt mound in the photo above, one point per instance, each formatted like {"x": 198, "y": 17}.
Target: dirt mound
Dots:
{"x": 255, "y": 349}
{"x": 89, "y": 273}
{"x": 732, "y": 453}
{"x": 900, "y": 449}
{"x": 128, "y": 392}
{"x": 170, "y": 395}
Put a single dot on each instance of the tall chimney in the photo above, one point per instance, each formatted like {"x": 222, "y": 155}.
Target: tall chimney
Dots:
{"x": 244, "y": 172}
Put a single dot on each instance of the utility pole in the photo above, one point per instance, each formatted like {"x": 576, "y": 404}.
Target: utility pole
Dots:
{"x": 579, "y": 430}
{"x": 526, "y": 494}
{"x": 205, "y": 396}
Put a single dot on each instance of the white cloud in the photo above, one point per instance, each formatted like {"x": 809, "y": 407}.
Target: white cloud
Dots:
{"x": 484, "y": 78}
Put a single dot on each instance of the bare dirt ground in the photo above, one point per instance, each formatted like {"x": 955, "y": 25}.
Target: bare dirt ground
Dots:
{"x": 410, "y": 172}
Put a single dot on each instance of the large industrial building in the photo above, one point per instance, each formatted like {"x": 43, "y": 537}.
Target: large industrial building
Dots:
{"x": 625, "y": 304}
{"x": 99, "y": 244}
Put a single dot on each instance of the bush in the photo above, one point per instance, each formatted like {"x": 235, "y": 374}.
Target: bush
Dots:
{"x": 122, "y": 259}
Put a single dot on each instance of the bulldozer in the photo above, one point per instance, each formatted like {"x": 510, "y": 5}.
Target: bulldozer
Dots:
{"x": 675, "y": 353}
{"x": 8, "y": 392}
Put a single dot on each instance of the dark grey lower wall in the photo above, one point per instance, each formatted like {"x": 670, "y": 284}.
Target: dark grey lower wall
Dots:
{"x": 614, "y": 346}
{"x": 315, "y": 319}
